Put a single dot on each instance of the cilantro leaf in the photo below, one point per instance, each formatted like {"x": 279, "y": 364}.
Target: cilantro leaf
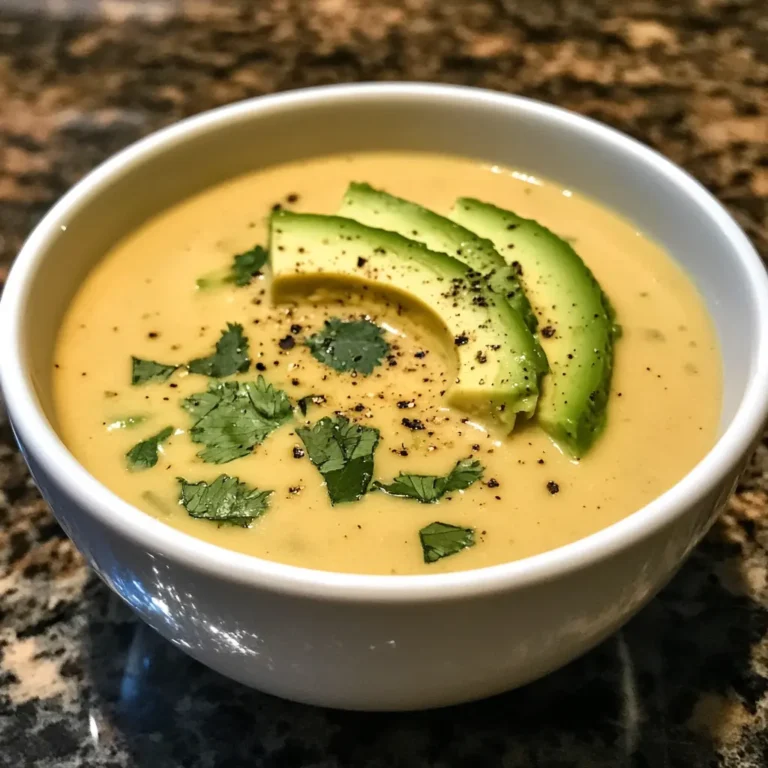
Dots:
{"x": 430, "y": 488}
{"x": 231, "y": 355}
{"x": 465, "y": 473}
{"x": 355, "y": 345}
{"x": 226, "y": 500}
{"x": 343, "y": 453}
{"x": 232, "y": 417}
{"x": 307, "y": 400}
{"x": 143, "y": 455}
{"x": 143, "y": 371}
{"x": 247, "y": 265}
{"x": 443, "y": 539}
{"x": 424, "y": 488}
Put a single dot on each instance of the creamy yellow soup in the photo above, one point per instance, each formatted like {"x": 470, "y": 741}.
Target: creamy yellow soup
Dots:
{"x": 143, "y": 299}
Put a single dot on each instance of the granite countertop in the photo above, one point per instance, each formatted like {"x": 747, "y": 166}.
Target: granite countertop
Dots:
{"x": 82, "y": 682}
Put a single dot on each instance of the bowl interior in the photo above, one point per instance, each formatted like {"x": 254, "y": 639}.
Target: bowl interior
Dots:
{"x": 513, "y": 132}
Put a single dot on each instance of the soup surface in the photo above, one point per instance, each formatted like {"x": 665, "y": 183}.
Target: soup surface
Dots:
{"x": 143, "y": 300}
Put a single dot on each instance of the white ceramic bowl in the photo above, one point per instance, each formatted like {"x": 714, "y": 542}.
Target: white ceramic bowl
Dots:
{"x": 384, "y": 642}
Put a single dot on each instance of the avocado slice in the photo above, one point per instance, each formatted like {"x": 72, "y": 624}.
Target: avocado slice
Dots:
{"x": 496, "y": 376}
{"x": 376, "y": 208}
{"x": 578, "y": 322}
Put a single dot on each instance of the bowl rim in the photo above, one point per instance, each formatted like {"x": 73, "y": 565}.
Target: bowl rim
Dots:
{"x": 41, "y": 441}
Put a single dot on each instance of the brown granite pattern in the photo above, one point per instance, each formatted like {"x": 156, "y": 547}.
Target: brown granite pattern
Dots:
{"x": 81, "y": 683}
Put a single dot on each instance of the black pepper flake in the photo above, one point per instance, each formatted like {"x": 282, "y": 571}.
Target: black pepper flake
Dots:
{"x": 415, "y": 424}
{"x": 294, "y": 489}
{"x": 481, "y": 357}
{"x": 361, "y": 262}
{"x": 153, "y": 334}
{"x": 547, "y": 331}
{"x": 261, "y": 367}
{"x": 295, "y": 382}
{"x": 493, "y": 483}
{"x": 406, "y": 404}
{"x": 540, "y": 461}
{"x": 292, "y": 198}
{"x": 476, "y": 447}
{"x": 295, "y": 328}
{"x": 287, "y": 342}
{"x": 298, "y": 453}
{"x": 461, "y": 340}
{"x": 359, "y": 408}
{"x": 553, "y": 487}
{"x": 420, "y": 354}
{"x": 277, "y": 207}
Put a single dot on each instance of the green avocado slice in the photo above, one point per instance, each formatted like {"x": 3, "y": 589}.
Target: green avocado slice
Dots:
{"x": 496, "y": 360}
{"x": 577, "y": 322}
{"x": 376, "y": 208}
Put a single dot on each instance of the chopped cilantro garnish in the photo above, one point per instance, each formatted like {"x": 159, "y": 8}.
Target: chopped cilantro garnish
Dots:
{"x": 143, "y": 455}
{"x": 233, "y": 417}
{"x": 225, "y": 500}
{"x": 307, "y": 400}
{"x": 247, "y": 265}
{"x": 443, "y": 539}
{"x": 355, "y": 345}
{"x": 143, "y": 371}
{"x": 231, "y": 355}
{"x": 429, "y": 488}
{"x": 343, "y": 453}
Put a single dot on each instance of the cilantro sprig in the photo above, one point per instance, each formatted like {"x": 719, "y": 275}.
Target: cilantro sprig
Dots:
{"x": 430, "y": 488}
{"x": 233, "y": 417}
{"x": 226, "y": 500}
{"x": 247, "y": 265}
{"x": 440, "y": 540}
{"x": 143, "y": 371}
{"x": 230, "y": 356}
{"x": 354, "y": 345}
{"x": 144, "y": 455}
{"x": 343, "y": 453}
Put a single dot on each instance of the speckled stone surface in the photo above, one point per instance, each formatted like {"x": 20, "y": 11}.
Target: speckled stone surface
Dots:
{"x": 82, "y": 683}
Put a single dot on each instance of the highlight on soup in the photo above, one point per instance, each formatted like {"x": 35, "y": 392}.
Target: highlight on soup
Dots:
{"x": 387, "y": 363}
